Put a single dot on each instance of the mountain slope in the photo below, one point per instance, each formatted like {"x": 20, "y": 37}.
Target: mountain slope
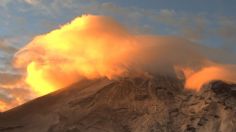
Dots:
{"x": 137, "y": 104}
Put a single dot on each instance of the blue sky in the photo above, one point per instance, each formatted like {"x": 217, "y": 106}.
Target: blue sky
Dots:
{"x": 206, "y": 22}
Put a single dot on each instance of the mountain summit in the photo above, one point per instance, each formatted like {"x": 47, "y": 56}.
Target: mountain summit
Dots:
{"x": 128, "y": 104}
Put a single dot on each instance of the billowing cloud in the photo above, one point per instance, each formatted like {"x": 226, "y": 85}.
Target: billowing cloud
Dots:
{"x": 97, "y": 46}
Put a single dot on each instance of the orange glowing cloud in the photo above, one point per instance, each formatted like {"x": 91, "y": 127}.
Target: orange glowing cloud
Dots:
{"x": 89, "y": 46}
{"x": 6, "y": 105}
{"x": 195, "y": 79}
{"x": 3, "y": 106}
{"x": 97, "y": 46}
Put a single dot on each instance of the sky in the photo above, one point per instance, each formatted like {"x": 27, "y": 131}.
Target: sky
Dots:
{"x": 205, "y": 22}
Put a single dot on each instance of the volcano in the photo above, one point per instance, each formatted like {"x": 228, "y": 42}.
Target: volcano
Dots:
{"x": 128, "y": 104}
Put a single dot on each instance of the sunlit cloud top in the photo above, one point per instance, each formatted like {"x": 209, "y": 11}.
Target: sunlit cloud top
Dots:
{"x": 204, "y": 22}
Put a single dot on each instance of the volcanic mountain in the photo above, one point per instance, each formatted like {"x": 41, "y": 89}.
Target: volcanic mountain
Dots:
{"x": 128, "y": 104}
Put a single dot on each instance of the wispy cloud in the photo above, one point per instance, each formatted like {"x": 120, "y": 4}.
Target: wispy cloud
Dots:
{"x": 6, "y": 47}
{"x": 199, "y": 27}
{"x": 32, "y": 2}
{"x": 3, "y": 3}
{"x": 13, "y": 91}
{"x": 227, "y": 31}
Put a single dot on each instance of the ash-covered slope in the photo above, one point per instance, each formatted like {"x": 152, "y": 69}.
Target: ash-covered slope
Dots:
{"x": 134, "y": 104}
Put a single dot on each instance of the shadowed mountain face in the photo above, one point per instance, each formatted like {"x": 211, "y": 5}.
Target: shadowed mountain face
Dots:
{"x": 134, "y": 104}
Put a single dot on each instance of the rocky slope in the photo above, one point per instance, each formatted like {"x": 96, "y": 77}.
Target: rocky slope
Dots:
{"x": 134, "y": 104}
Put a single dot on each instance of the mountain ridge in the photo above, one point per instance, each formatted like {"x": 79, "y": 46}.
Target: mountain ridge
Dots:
{"x": 129, "y": 104}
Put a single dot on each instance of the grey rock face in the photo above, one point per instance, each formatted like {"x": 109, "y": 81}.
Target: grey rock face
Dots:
{"x": 134, "y": 104}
